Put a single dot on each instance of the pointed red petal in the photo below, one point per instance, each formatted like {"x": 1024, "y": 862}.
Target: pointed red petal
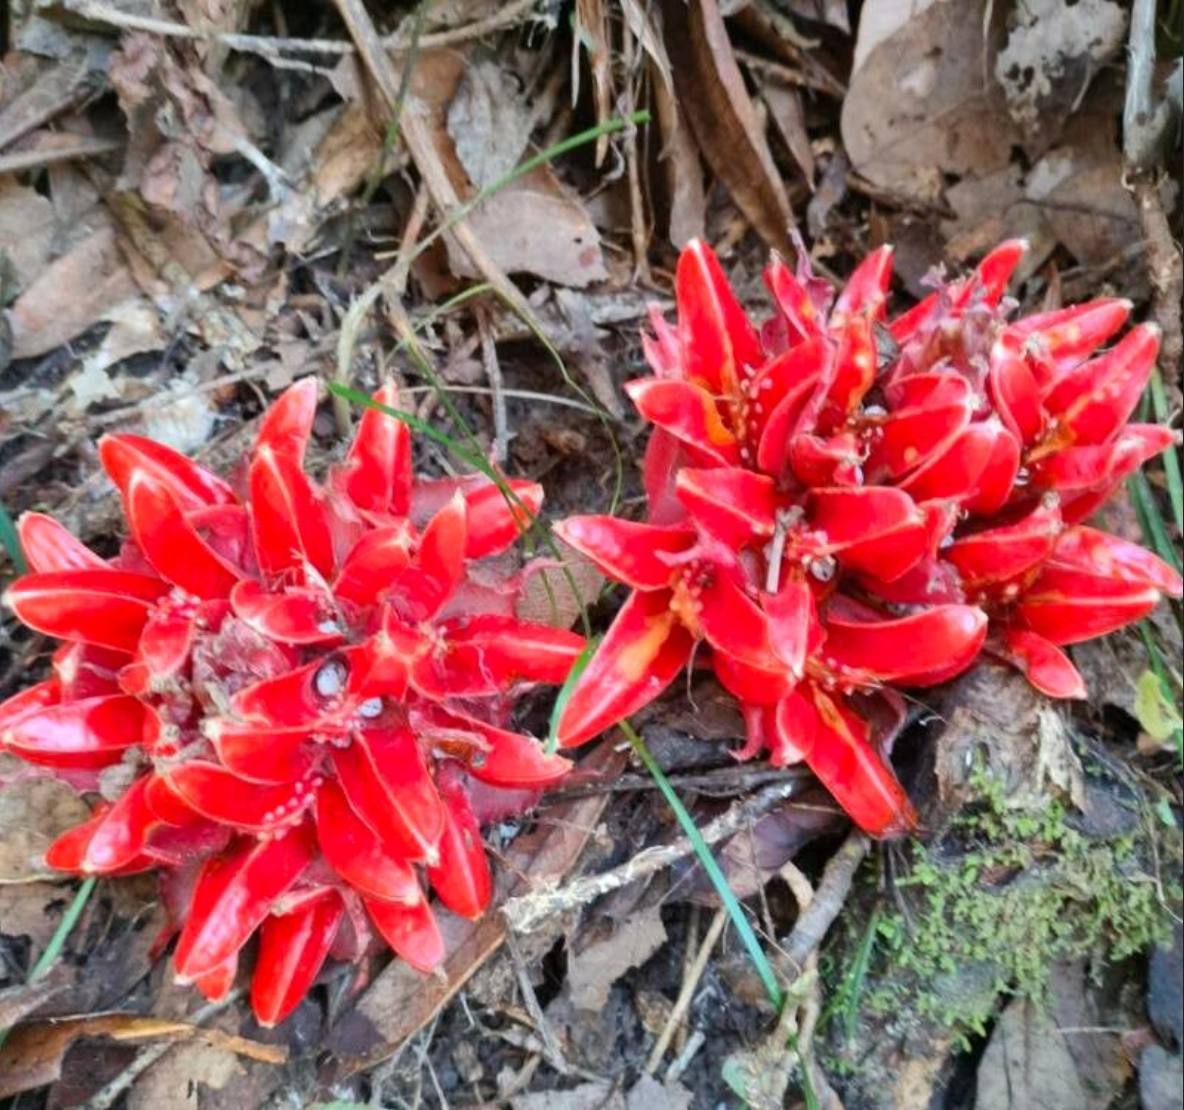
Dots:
{"x": 835, "y": 743}
{"x": 916, "y": 433}
{"x": 1067, "y": 336}
{"x": 170, "y": 543}
{"x": 215, "y": 985}
{"x": 796, "y": 304}
{"x": 491, "y": 754}
{"x": 121, "y": 836}
{"x": 854, "y": 374}
{"x": 1067, "y": 607}
{"x": 734, "y": 624}
{"x": 439, "y": 562}
{"x": 489, "y": 653}
{"x": 33, "y": 699}
{"x": 635, "y": 554}
{"x": 287, "y": 424}
{"x": 735, "y": 505}
{"x": 875, "y": 529}
{"x": 294, "y": 616}
{"x": 956, "y": 470}
{"x": 1044, "y": 665}
{"x": 411, "y": 930}
{"x": 1015, "y": 394}
{"x": 390, "y": 788}
{"x": 233, "y": 896}
{"x": 192, "y": 486}
{"x": 1078, "y": 469}
{"x": 106, "y": 607}
{"x": 357, "y": 854}
{"x": 1094, "y": 401}
{"x": 377, "y": 472}
{"x": 689, "y": 413}
{"x": 1102, "y": 554}
{"x": 91, "y": 733}
{"x": 289, "y": 523}
{"x": 998, "y": 478}
{"x": 794, "y": 630}
{"x": 866, "y": 291}
{"x": 292, "y": 698}
{"x": 922, "y": 649}
{"x": 461, "y": 879}
{"x": 48, "y": 546}
{"x": 1001, "y": 555}
{"x": 642, "y": 652}
{"x": 262, "y": 753}
{"x": 496, "y": 521}
{"x": 717, "y": 342}
{"x": 292, "y": 948}
{"x": 220, "y": 795}
{"x": 373, "y": 564}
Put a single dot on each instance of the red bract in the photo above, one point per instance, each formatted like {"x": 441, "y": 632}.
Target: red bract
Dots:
{"x": 840, "y": 506}
{"x": 295, "y": 703}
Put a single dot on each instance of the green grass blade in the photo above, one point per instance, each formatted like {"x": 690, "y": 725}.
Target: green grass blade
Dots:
{"x": 727, "y": 896}
{"x": 1154, "y": 530}
{"x": 12, "y": 542}
{"x": 564, "y": 695}
{"x": 1170, "y": 457}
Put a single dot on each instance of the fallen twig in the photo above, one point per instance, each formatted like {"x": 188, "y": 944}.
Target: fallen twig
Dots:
{"x": 686, "y": 994}
{"x": 527, "y": 912}
{"x": 819, "y": 914}
{"x": 272, "y": 47}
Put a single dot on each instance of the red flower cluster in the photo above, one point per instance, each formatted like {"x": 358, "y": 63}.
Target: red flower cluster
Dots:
{"x": 839, "y": 507}
{"x": 290, "y": 699}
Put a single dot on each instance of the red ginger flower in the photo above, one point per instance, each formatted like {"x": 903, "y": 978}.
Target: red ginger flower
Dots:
{"x": 291, "y": 701}
{"x": 838, "y": 506}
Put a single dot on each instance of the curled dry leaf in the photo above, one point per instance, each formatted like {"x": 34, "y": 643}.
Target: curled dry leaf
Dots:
{"x": 71, "y": 294}
{"x": 683, "y": 174}
{"x": 1052, "y": 52}
{"x": 711, "y": 91}
{"x": 32, "y": 1055}
{"x": 921, "y": 103}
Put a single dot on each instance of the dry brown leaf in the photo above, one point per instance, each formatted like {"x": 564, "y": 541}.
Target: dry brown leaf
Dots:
{"x": 711, "y": 91}
{"x": 27, "y": 230}
{"x": 537, "y": 226}
{"x": 71, "y": 295}
{"x": 1079, "y": 189}
{"x": 785, "y": 106}
{"x": 922, "y": 101}
{"x": 33, "y": 813}
{"x": 401, "y": 1001}
{"x": 1027, "y": 1064}
{"x": 23, "y": 910}
{"x": 18, "y": 1002}
{"x": 594, "y": 968}
{"x": 32, "y": 1055}
{"x": 591, "y": 32}
{"x": 1052, "y": 52}
{"x": 682, "y": 171}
